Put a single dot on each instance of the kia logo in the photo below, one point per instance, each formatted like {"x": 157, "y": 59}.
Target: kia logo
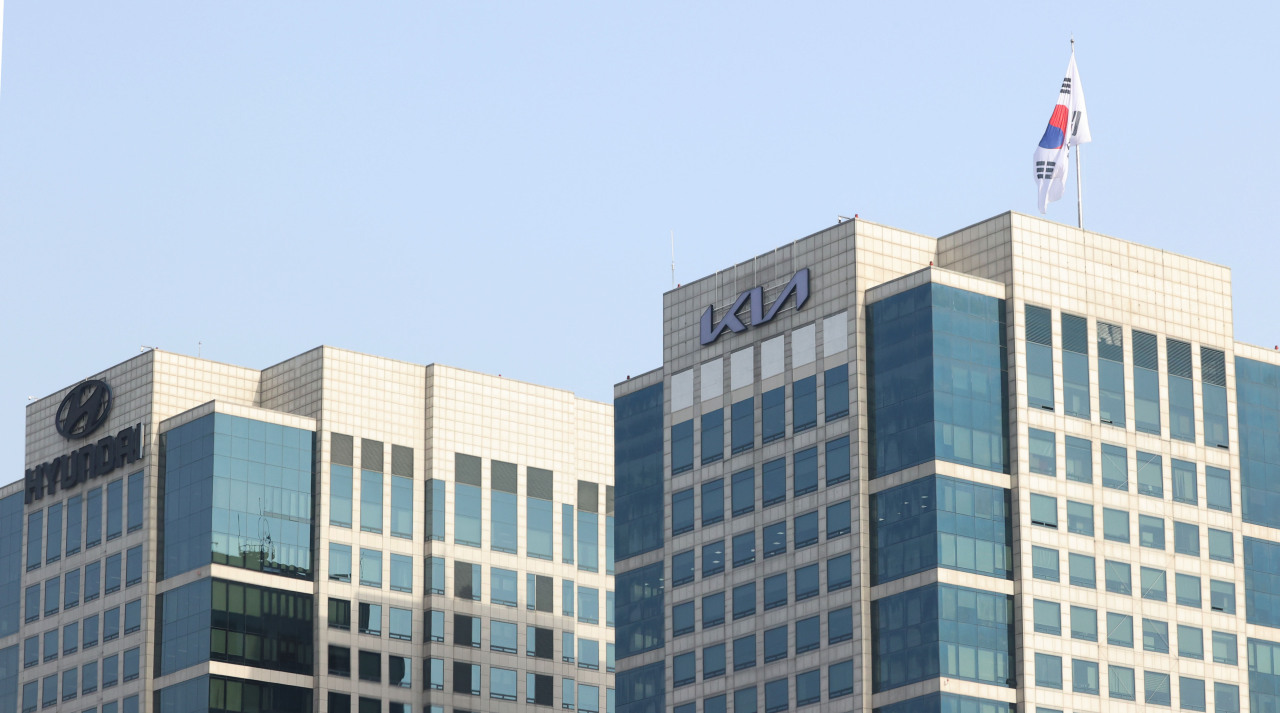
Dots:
{"x": 84, "y": 409}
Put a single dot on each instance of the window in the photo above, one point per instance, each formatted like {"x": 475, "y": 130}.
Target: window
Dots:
{"x": 1120, "y": 630}
{"x": 1146, "y": 383}
{"x": 712, "y": 610}
{"x": 1044, "y": 458}
{"x": 1049, "y": 671}
{"x": 113, "y": 573}
{"x": 713, "y": 558}
{"x": 1217, "y": 486}
{"x": 71, "y": 589}
{"x": 712, "y": 502}
{"x": 539, "y": 528}
{"x": 1075, "y": 366}
{"x": 1115, "y": 525}
{"x": 1153, "y": 584}
{"x": 838, "y": 519}
{"x": 588, "y": 605}
{"x": 567, "y": 647}
{"x": 71, "y": 633}
{"x": 370, "y": 666}
{"x": 684, "y": 668}
{"x": 1224, "y": 648}
{"x": 1222, "y": 596}
{"x": 370, "y": 501}
{"x": 1044, "y": 563}
{"x": 1079, "y": 518}
{"x": 744, "y": 652}
{"x": 1185, "y": 487}
{"x": 775, "y": 591}
{"x": 402, "y": 507}
{"x": 1047, "y": 617}
{"x": 340, "y": 489}
{"x": 1115, "y": 467}
{"x": 1221, "y": 545}
{"x": 31, "y": 604}
{"x": 115, "y": 509}
{"x": 1151, "y": 532}
{"x": 435, "y": 575}
{"x": 743, "y": 430}
{"x": 1186, "y": 539}
{"x": 370, "y": 618}
{"x": 466, "y": 581}
{"x": 466, "y": 630}
{"x": 53, "y": 534}
{"x": 804, "y": 477}
{"x": 806, "y": 529}
{"x": 1214, "y": 387}
{"x": 370, "y": 568}
{"x": 682, "y": 568}
{"x": 504, "y": 518}
{"x": 1084, "y": 677}
{"x": 743, "y": 493}
{"x": 568, "y": 689}
{"x": 1190, "y": 642}
{"x": 1084, "y": 624}
{"x": 1079, "y": 457}
{"x": 50, "y": 645}
{"x": 52, "y": 594}
{"x": 744, "y": 548}
{"x": 744, "y": 600}
{"x": 682, "y": 447}
{"x": 339, "y": 562}
{"x": 1155, "y": 636}
{"x": 502, "y": 684}
{"x": 713, "y": 436}
{"x": 434, "y": 673}
{"x": 1111, "y": 387}
{"x": 539, "y": 593}
{"x": 1156, "y": 688}
{"x": 1039, "y": 335}
{"x": 1182, "y": 416}
{"x": 775, "y": 539}
{"x": 806, "y": 582}
{"x": 133, "y": 616}
{"x": 539, "y": 689}
{"x": 504, "y": 587}
{"x": 682, "y": 511}
{"x": 1083, "y": 572}
{"x": 399, "y": 624}
{"x": 682, "y": 619}
{"x": 804, "y": 403}
{"x": 839, "y": 572}
{"x": 838, "y": 465}
{"x": 1191, "y": 693}
{"x": 467, "y": 500}
{"x": 713, "y": 661}
{"x": 435, "y": 625}
{"x": 773, "y": 482}
{"x": 339, "y": 614}
{"x": 92, "y": 581}
{"x": 130, "y": 664}
{"x": 339, "y": 661}
{"x": 567, "y": 597}
{"x": 110, "y": 671}
{"x": 89, "y": 632}
{"x": 111, "y": 624}
{"x": 435, "y": 511}
{"x": 1150, "y": 475}
{"x": 839, "y": 625}
{"x": 1120, "y": 682}
{"x": 133, "y": 566}
{"x": 1187, "y": 590}
{"x": 775, "y": 644}
{"x": 1044, "y": 511}
{"x": 89, "y": 678}
{"x": 773, "y": 415}
{"x": 808, "y": 634}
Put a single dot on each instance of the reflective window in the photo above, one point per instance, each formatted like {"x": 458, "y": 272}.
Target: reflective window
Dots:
{"x": 134, "y": 512}
{"x": 808, "y": 634}
{"x": 1151, "y": 532}
{"x": 370, "y": 501}
{"x": 133, "y": 566}
{"x": 53, "y": 537}
{"x": 839, "y": 625}
{"x": 1119, "y": 630}
{"x": 1043, "y": 452}
{"x": 743, "y": 493}
{"x": 466, "y": 514}
{"x": 743, "y": 427}
{"x": 1185, "y": 487}
{"x": 712, "y": 502}
{"x": 539, "y": 529}
{"x": 466, "y": 630}
{"x": 773, "y": 415}
{"x": 435, "y": 510}
{"x": 804, "y": 467}
{"x": 775, "y": 591}
{"x": 1225, "y": 648}
{"x": 1155, "y": 636}
{"x": 804, "y": 404}
{"x": 92, "y": 581}
{"x": 402, "y": 507}
{"x": 744, "y": 548}
{"x": 713, "y": 661}
{"x": 1182, "y": 412}
{"x": 93, "y": 517}
{"x": 112, "y": 576}
{"x": 370, "y": 568}
{"x": 1186, "y": 539}
{"x": 589, "y": 605}
{"x": 71, "y": 589}
{"x": 682, "y": 511}
{"x": 1120, "y": 683}
{"x": 1221, "y": 545}
{"x": 1111, "y": 388}
{"x": 713, "y": 610}
{"x": 744, "y": 600}
{"x": 401, "y": 573}
{"x": 1115, "y": 525}
{"x": 1226, "y": 698}
{"x": 775, "y": 539}
{"x": 1084, "y": 624}
{"x": 1190, "y": 642}
{"x": 1048, "y": 671}
{"x": 1154, "y": 585}
{"x": 744, "y": 652}
{"x": 1044, "y": 563}
{"x": 35, "y": 539}
{"x": 1039, "y": 335}
{"x": 1079, "y": 518}
{"x": 712, "y": 436}
{"x": 340, "y": 489}
{"x": 1187, "y": 590}
{"x": 775, "y": 644}
{"x": 1082, "y": 571}
{"x": 773, "y": 482}
{"x": 339, "y": 562}
{"x": 1213, "y": 386}
{"x": 682, "y": 619}
{"x": 1150, "y": 475}
{"x": 466, "y": 581}
{"x": 1217, "y": 486}
{"x": 1047, "y": 617}
{"x": 839, "y": 572}
{"x": 1075, "y": 366}
{"x": 682, "y": 447}
{"x": 713, "y": 558}
{"x": 1146, "y": 383}
{"x": 836, "y": 392}
{"x": 1044, "y": 511}
{"x": 115, "y": 509}
{"x": 588, "y": 540}
{"x": 1156, "y": 688}
{"x": 806, "y": 529}
{"x": 1079, "y": 458}
{"x": 1115, "y": 467}
{"x": 838, "y": 465}
{"x": 838, "y": 519}
{"x": 435, "y": 575}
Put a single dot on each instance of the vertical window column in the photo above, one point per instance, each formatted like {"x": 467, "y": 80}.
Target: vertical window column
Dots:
{"x": 539, "y": 513}
{"x": 1182, "y": 402}
{"x": 1039, "y": 332}
{"x": 1075, "y": 366}
{"x": 1111, "y": 398}
{"x": 504, "y": 521}
{"x": 467, "y": 501}
{"x": 1146, "y": 383}
{"x": 588, "y": 526}
{"x": 1213, "y": 384}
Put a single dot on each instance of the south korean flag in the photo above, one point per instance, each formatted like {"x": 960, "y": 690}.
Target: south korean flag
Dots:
{"x": 1068, "y": 126}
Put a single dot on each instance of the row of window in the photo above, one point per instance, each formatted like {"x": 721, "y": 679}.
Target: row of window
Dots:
{"x": 66, "y": 591}
{"x": 1083, "y": 625}
{"x": 775, "y": 591}
{"x": 82, "y": 634}
{"x": 772, "y": 542}
{"x": 1183, "y": 480}
{"x": 774, "y": 644}
{"x": 1112, "y": 401}
{"x": 539, "y": 590}
{"x": 78, "y": 521}
{"x": 84, "y": 680}
{"x": 1082, "y": 572}
{"x": 1116, "y": 528}
{"x": 777, "y": 693}
{"x": 1157, "y": 687}
{"x": 744, "y": 497}
{"x": 539, "y": 690}
{"x": 773, "y": 419}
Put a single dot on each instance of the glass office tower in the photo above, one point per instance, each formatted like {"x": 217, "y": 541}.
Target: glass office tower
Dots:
{"x": 1020, "y": 467}
{"x": 339, "y": 532}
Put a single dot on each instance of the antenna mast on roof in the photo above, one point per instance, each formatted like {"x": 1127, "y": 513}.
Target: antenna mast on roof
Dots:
{"x": 673, "y": 259}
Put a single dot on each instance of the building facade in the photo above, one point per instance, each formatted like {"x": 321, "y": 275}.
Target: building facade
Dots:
{"x": 338, "y": 532}
{"x": 1018, "y": 467}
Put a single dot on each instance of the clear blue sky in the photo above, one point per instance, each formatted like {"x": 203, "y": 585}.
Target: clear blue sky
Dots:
{"x": 491, "y": 185}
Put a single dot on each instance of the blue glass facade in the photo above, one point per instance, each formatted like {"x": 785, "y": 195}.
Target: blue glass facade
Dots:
{"x": 638, "y": 472}
{"x": 937, "y": 386}
{"x": 1258, "y": 404}
{"x": 948, "y": 703}
{"x": 238, "y": 492}
{"x": 942, "y": 630}
{"x": 11, "y": 564}
{"x": 940, "y": 522}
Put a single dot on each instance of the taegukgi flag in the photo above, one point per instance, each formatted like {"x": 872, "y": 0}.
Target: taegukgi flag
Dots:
{"x": 1068, "y": 126}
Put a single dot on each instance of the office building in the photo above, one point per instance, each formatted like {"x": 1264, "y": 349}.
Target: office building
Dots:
{"x": 1017, "y": 467}
{"x": 338, "y": 532}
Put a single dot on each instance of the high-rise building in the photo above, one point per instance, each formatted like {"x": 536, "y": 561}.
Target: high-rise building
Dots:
{"x": 338, "y": 532}
{"x": 1020, "y": 466}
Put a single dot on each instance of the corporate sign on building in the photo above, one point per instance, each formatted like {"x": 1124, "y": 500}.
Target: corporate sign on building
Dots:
{"x": 80, "y": 414}
{"x": 799, "y": 286}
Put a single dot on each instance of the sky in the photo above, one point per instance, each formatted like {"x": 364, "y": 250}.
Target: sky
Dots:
{"x": 494, "y": 185}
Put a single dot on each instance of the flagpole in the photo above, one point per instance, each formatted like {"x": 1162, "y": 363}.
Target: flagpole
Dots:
{"x": 1079, "y": 195}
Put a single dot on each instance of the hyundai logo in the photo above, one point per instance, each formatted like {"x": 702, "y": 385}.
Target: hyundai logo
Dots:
{"x": 84, "y": 409}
